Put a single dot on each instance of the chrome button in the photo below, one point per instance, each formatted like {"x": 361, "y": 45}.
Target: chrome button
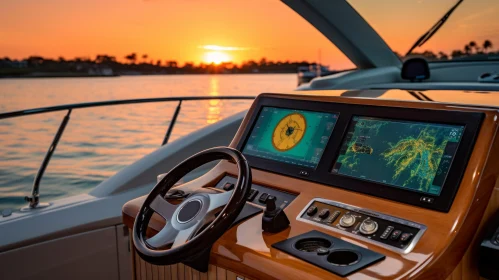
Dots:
{"x": 368, "y": 227}
{"x": 347, "y": 220}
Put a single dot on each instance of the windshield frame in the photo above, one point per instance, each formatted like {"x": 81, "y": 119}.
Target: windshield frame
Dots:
{"x": 444, "y": 47}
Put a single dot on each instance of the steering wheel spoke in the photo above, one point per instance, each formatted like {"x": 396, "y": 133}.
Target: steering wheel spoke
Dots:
{"x": 164, "y": 208}
{"x": 184, "y": 235}
{"x": 164, "y": 237}
{"x": 218, "y": 200}
{"x": 171, "y": 236}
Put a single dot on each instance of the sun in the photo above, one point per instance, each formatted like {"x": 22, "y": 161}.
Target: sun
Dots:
{"x": 216, "y": 57}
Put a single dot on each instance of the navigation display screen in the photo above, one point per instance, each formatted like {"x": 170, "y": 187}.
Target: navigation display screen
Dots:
{"x": 296, "y": 137}
{"x": 410, "y": 155}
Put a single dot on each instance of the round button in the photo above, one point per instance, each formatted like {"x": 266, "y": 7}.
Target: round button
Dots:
{"x": 368, "y": 227}
{"x": 347, "y": 220}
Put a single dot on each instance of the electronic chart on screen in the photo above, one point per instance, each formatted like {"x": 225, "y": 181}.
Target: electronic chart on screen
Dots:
{"x": 296, "y": 137}
{"x": 404, "y": 154}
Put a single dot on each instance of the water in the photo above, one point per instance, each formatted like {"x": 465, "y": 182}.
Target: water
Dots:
{"x": 98, "y": 142}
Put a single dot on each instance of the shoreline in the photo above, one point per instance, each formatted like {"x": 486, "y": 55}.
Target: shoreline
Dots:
{"x": 127, "y": 75}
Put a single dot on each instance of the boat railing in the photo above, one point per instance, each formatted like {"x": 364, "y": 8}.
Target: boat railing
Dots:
{"x": 34, "y": 198}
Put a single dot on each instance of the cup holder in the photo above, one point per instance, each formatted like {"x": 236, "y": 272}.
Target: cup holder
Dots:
{"x": 312, "y": 244}
{"x": 328, "y": 252}
{"x": 343, "y": 257}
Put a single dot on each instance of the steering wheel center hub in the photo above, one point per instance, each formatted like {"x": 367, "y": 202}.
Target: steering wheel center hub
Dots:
{"x": 189, "y": 211}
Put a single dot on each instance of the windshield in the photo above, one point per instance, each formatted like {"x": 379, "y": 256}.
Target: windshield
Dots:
{"x": 470, "y": 33}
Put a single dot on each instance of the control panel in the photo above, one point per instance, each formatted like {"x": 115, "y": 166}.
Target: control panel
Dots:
{"x": 392, "y": 233}
{"x": 258, "y": 194}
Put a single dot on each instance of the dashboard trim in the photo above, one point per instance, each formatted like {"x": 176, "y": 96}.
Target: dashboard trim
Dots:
{"x": 422, "y": 228}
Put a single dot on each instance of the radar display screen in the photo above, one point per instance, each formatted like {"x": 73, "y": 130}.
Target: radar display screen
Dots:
{"x": 296, "y": 137}
{"x": 410, "y": 155}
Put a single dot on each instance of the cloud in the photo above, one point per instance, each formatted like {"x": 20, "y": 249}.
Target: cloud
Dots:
{"x": 222, "y": 48}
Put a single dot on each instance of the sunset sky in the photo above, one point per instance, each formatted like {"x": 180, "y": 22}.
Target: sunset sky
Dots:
{"x": 219, "y": 30}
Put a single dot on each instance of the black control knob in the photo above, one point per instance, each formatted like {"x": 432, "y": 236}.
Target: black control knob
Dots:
{"x": 324, "y": 213}
{"x": 274, "y": 219}
{"x": 368, "y": 227}
{"x": 270, "y": 203}
{"x": 312, "y": 210}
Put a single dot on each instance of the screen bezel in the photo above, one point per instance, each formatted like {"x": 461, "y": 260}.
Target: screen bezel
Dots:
{"x": 282, "y": 167}
{"x": 322, "y": 174}
{"x": 291, "y": 109}
{"x": 350, "y": 125}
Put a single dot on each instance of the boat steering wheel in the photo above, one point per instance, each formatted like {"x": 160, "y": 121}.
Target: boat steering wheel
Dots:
{"x": 193, "y": 225}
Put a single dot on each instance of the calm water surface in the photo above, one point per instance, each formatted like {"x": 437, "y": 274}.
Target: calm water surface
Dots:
{"x": 98, "y": 142}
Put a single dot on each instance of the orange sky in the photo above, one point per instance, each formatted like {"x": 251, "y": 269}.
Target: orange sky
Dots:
{"x": 177, "y": 30}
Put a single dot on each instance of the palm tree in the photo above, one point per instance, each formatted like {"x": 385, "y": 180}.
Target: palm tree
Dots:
{"x": 132, "y": 57}
{"x": 263, "y": 61}
{"x": 456, "y": 53}
{"x": 467, "y": 49}
{"x": 473, "y": 45}
{"x": 171, "y": 64}
{"x": 144, "y": 57}
{"x": 104, "y": 58}
{"x": 487, "y": 45}
{"x": 429, "y": 55}
{"x": 443, "y": 56}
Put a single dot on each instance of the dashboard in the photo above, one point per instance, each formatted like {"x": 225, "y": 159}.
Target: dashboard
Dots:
{"x": 373, "y": 189}
{"x": 414, "y": 156}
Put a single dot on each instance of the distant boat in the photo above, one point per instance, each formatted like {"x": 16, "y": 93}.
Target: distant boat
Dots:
{"x": 307, "y": 73}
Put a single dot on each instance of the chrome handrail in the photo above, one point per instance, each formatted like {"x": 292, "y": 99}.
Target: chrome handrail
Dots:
{"x": 34, "y": 199}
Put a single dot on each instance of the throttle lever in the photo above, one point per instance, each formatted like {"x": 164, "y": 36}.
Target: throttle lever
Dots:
{"x": 274, "y": 219}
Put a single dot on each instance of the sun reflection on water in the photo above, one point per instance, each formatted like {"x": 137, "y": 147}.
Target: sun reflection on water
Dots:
{"x": 214, "y": 105}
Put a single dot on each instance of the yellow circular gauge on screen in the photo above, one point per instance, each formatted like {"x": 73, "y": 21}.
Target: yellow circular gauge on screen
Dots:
{"x": 289, "y": 132}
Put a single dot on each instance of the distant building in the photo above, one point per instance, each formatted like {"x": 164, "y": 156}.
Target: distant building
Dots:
{"x": 107, "y": 71}
{"x": 20, "y": 64}
{"x": 7, "y": 63}
{"x": 100, "y": 71}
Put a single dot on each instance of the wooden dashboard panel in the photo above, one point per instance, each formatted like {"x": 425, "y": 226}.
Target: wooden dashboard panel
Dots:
{"x": 147, "y": 271}
{"x": 443, "y": 248}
